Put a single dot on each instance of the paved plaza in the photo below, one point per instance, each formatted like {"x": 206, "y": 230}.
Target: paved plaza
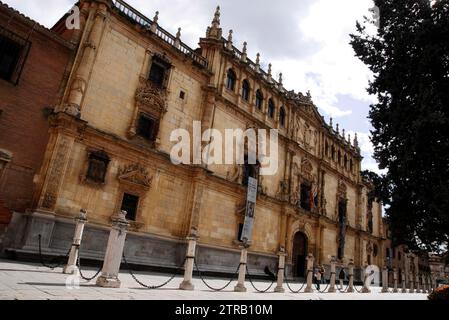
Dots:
{"x": 28, "y": 281}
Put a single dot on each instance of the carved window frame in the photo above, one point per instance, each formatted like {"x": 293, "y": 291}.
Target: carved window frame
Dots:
{"x": 84, "y": 177}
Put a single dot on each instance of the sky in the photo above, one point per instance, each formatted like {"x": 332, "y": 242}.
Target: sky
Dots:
{"x": 306, "y": 40}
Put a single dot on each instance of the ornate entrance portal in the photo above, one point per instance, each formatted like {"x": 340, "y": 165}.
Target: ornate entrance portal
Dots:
{"x": 299, "y": 254}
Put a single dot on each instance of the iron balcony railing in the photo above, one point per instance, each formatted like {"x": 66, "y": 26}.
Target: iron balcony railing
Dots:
{"x": 137, "y": 17}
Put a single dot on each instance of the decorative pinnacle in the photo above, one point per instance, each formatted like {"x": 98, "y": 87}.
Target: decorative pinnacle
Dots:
{"x": 269, "y": 69}
{"x": 258, "y": 59}
{"x": 344, "y": 131}
{"x": 245, "y": 50}
{"x": 156, "y": 17}
{"x": 356, "y": 141}
{"x": 178, "y": 34}
{"x": 332, "y": 123}
{"x": 280, "y": 78}
{"x": 338, "y": 128}
{"x": 349, "y": 138}
{"x": 216, "y": 20}
{"x": 229, "y": 44}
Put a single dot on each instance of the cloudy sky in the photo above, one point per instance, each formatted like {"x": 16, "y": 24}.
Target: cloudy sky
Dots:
{"x": 306, "y": 40}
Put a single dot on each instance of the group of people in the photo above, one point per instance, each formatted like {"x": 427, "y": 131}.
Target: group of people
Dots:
{"x": 319, "y": 276}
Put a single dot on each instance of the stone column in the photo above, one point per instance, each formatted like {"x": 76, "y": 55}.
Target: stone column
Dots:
{"x": 366, "y": 282}
{"x": 309, "y": 276}
{"x": 404, "y": 285}
{"x": 418, "y": 287}
{"x": 411, "y": 280}
{"x": 240, "y": 287}
{"x": 190, "y": 259}
{"x": 395, "y": 280}
{"x": 333, "y": 275}
{"x": 351, "y": 276}
{"x": 281, "y": 268}
{"x": 384, "y": 279}
{"x": 71, "y": 266}
{"x": 114, "y": 252}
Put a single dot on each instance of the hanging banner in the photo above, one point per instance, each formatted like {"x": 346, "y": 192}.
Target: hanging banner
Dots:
{"x": 247, "y": 231}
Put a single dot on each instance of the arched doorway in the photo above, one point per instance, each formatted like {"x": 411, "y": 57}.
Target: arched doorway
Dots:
{"x": 299, "y": 254}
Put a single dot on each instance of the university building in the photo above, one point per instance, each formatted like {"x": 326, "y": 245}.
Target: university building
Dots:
{"x": 131, "y": 83}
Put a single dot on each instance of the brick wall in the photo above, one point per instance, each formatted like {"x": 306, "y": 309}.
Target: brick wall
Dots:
{"x": 23, "y": 120}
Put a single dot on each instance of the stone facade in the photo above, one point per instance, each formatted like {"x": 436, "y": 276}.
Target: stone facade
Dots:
{"x": 111, "y": 88}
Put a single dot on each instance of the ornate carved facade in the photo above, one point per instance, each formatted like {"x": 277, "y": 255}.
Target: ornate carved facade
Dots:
{"x": 316, "y": 192}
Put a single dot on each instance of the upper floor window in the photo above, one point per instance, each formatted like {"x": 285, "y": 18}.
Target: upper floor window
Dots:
{"x": 13, "y": 52}
{"x": 346, "y": 162}
{"x": 282, "y": 117}
{"x": 245, "y": 90}
{"x": 351, "y": 165}
{"x": 97, "y": 167}
{"x": 259, "y": 99}
{"x": 326, "y": 148}
{"x": 333, "y": 153}
{"x": 159, "y": 72}
{"x": 271, "y": 108}
{"x": 231, "y": 80}
{"x": 339, "y": 158}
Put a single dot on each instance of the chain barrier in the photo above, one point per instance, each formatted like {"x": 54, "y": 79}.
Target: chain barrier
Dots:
{"x": 327, "y": 286}
{"x": 152, "y": 287}
{"x": 57, "y": 265}
{"x": 251, "y": 281}
{"x": 357, "y": 290}
{"x": 341, "y": 287}
{"x": 88, "y": 279}
{"x": 212, "y": 288}
{"x": 302, "y": 286}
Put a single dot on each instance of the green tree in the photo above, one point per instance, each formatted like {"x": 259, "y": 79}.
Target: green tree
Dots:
{"x": 409, "y": 57}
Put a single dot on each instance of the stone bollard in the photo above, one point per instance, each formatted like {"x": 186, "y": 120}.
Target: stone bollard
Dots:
{"x": 280, "y": 281}
{"x": 418, "y": 287}
{"x": 351, "y": 276}
{"x": 395, "y": 280}
{"x": 190, "y": 260}
{"x": 310, "y": 260}
{"x": 71, "y": 267}
{"x": 385, "y": 280}
{"x": 333, "y": 275}
{"x": 366, "y": 282}
{"x": 403, "y": 282}
{"x": 424, "y": 283}
{"x": 114, "y": 252}
{"x": 412, "y": 288}
{"x": 240, "y": 287}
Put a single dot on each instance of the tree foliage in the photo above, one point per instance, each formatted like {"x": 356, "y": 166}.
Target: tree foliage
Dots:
{"x": 409, "y": 57}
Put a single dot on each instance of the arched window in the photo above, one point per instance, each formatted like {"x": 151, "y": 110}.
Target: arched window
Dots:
{"x": 259, "y": 99}
{"x": 231, "y": 80}
{"x": 282, "y": 117}
{"x": 271, "y": 108}
{"x": 245, "y": 90}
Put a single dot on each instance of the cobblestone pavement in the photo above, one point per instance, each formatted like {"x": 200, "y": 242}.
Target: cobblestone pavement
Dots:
{"x": 26, "y": 281}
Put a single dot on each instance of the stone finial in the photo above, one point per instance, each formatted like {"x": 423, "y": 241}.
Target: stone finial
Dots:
{"x": 258, "y": 62}
{"x": 356, "y": 141}
{"x": 214, "y": 31}
{"x": 244, "y": 51}
{"x": 153, "y": 26}
{"x": 229, "y": 44}
{"x": 269, "y": 72}
{"x": 349, "y": 138}
{"x": 331, "y": 123}
{"x": 338, "y": 128}
{"x": 344, "y": 133}
{"x": 178, "y": 38}
{"x": 280, "y": 78}
{"x": 216, "y": 20}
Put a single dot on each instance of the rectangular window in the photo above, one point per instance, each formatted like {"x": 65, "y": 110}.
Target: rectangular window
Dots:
{"x": 306, "y": 202}
{"x": 146, "y": 127}
{"x": 157, "y": 74}
{"x": 182, "y": 95}
{"x": 13, "y": 52}
{"x": 239, "y": 236}
{"x": 130, "y": 204}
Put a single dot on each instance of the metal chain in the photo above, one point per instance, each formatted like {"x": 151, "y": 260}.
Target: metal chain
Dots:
{"x": 344, "y": 290}
{"x": 59, "y": 264}
{"x": 357, "y": 290}
{"x": 81, "y": 271}
{"x": 212, "y": 288}
{"x": 302, "y": 286}
{"x": 152, "y": 287}
{"x": 327, "y": 286}
{"x": 251, "y": 281}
